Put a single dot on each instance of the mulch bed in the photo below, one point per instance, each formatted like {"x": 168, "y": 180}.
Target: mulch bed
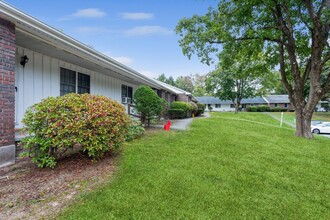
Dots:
{"x": 29, "y": 192}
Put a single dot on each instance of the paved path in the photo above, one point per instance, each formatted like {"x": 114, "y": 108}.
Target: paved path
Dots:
{"x": 183, "y": 124}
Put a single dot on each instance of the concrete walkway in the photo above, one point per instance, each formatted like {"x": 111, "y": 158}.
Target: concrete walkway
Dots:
{"x": 183, "y": 124}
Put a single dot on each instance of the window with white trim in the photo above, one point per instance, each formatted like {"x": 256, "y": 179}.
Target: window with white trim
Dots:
{"x": 217, "y": 105}
{"x": 73, "y": 82}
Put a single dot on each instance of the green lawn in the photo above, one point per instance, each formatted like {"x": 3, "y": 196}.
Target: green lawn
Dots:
{"x": 290, "y": 116}
{"x": 224, "y": 167}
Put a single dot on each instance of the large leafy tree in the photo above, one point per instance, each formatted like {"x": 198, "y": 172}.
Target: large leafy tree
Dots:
{"x": 185, "y": 82}
{"x": 238, "y": 75}
{"x": 231, "y": 86}
{"x": 294, "y": 34}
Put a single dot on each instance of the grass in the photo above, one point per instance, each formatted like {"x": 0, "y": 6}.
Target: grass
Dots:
{"x": 220, "y": 169}
{"x": 289, "y": 117}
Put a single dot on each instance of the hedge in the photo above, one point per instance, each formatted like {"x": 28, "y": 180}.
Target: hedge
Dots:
{"x": 176, "y": 113}
{"x": 186, "y": 107}
{"x": 263, "y": 108}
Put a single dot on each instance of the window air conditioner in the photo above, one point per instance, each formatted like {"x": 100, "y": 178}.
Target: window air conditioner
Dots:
{"x": 126, "y": 100}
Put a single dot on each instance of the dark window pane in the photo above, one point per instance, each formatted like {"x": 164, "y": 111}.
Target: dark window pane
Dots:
{"x": 67, "y": 81}
{"x": 130, "y": 92}
{"x": 123, "y": 91}
{"x": 84, "y": 83}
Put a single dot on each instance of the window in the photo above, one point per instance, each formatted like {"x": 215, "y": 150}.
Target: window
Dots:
{"x": 126, "y": 94}
{"x": 71, "y": 82}
{"x": 275, "y": 105}
{"x": 68, "y": 81}
{"x": 285, "y": 105}
{"x": 160, "y": 93}
{"x": 217, "y": 105}
{"x": 232, "y": 106}
{"x": 83, "y": 83}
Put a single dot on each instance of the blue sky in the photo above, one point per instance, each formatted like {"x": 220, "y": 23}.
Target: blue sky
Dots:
{"x": 138, "y": 33}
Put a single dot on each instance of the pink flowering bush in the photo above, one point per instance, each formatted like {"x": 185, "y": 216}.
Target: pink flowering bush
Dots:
{"x": 96, "y": 123}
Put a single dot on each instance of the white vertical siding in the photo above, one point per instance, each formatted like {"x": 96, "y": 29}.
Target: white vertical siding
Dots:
{"x": 41, "y": 78}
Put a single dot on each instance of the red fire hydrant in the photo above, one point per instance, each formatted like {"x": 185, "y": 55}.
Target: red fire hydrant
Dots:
{"x": 167, "y": 126}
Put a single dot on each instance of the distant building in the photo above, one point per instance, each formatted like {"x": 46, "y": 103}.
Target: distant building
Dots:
{"x": 272, "y": 101}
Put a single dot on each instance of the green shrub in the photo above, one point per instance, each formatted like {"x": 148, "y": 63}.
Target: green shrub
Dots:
{"x": 186, "y": 107}
{"x": 263, "y": 108}
{"x": 147, "y": 103}
{"x": 210, "y": 108}
{"x": 194, "y": 108}
{"x": 97, "y": 123}
{"x": 176, "y": 113}
{"x": 251, "y": 109}
{"x": 201, "y": 108}
{"x": 279, "y": 109}
{"x": 165, "y": 107}
{"x": 134, "y": 131}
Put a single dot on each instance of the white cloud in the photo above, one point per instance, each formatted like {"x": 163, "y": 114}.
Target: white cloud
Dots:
{"x": 89, "y": 13}
{"x": 85, "y": 13}
{"x": 121, "y": 59}
{"x": 136, "y": 16}
{"x": 124, "y": 60}
{"x": 147, "y": 30}
{"x": 149, "y": 74}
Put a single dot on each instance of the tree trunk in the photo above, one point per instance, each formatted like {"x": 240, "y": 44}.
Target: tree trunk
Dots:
{"x": 237, "y": 104}
{"x": 303, "y": 123}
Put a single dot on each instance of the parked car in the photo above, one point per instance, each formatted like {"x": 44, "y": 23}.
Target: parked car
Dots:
{"x": 321, "y": 128}
{"x": 316, "y": 122}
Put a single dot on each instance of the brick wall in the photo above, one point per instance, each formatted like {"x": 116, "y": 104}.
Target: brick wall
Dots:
{"x": 7, "y": 83}
{"x": 182, "y": 97}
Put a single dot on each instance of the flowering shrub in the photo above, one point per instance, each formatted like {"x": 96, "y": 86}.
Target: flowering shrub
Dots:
{"x": 97, "y": 123}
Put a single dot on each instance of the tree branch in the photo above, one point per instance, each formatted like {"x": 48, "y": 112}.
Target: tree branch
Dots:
{"x": 246, "y": 38}
{"x": 285, "y": 82}
{"x": 319, "y": 12}
{"x": 311, "y": 12}
{"x": 307, "y": 69}
{"x": 302, "y": 18}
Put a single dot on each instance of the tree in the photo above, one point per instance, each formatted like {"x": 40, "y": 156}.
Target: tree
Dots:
{"x": 237, "y": 76}
{"x": 294, "y": 35}
{"x": 147, "y": 103}
{"x": 199, "y": 85}
{"x": 185, "y": 83}
{"x": 162, "y": 78}
{"x": 169, "y": 80}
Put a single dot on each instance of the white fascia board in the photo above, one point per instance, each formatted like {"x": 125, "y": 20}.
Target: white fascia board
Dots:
{"x": 264, "y": 98}
{"x": 58, "y": 39}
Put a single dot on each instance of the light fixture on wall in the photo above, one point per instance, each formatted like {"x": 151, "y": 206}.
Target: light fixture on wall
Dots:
{"x": 24, "y": 60}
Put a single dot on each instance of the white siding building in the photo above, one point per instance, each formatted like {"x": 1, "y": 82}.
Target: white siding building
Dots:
{"x": 38, "y": 61}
